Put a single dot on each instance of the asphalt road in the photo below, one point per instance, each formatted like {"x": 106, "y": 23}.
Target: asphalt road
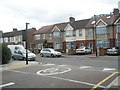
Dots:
{"x": 64, "y": 72}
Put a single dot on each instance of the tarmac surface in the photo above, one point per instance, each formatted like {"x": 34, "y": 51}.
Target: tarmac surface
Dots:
{"x": 83, "y": 76}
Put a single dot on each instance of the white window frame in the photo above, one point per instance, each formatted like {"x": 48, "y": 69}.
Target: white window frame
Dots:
{"x": 90, "y": 32}
{"x": 80, "y": 32}
{"x": 118, "y": 28}
{"x": 57, "y": 34}
{"x": 101, "y": 30}
{"x": 37, "y": 37}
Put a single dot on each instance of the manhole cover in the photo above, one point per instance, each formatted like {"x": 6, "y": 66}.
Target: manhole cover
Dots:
{"x": 53, "y": 71}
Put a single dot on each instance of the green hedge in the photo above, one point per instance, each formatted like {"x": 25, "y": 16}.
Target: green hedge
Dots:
{"x": 6, "y": 53}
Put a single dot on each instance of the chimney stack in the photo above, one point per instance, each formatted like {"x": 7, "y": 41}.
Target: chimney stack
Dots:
{"x": 116, "y": 12}
{"x": 14, "y": 29}
{"x": 71, "y": 19}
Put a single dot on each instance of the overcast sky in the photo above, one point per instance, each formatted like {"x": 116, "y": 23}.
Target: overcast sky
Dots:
{"x": 15, "y": 13}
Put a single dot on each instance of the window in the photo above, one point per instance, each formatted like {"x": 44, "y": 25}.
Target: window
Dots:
{"x": 90, "y": 45}
{"x": 56, "y": 34}
{"x": 81, "y": 44}
{"x": 70, "y": 45}
{"x": 70, "y": 33}
{"x": 44, "y": 36}
{"x": 1, "y": 40}
{"x": 101, "y": 30}
{"x": 5, "y": 39}
{"x": 58, "y": 45}
{"x": 102, "y": 44}
{"x": 37, "y": 37}
{"x": 90, "y": 32}
{"x": 50, "y": 35}
{"x": 80, "y": 32}
{"x": 118, "y": 42}
{"x": 118, "y": 28}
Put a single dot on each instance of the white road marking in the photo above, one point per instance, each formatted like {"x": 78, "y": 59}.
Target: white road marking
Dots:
{"x": 75, "y": 81}
{"x": 8, "y": 84}
{"x": 116, "y": 79}
{"x": 83, "y": 67}
{"x": 108, "y": 69}
{"x": 63, "y": 65}
{"x": 53, "y": 71}
{"x": 70, "y": 80}
{"x": 49, "y": 64}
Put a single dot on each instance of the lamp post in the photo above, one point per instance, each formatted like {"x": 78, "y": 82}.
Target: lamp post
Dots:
{"x": 95, "y": 35}
{"x": 26, "y": 44}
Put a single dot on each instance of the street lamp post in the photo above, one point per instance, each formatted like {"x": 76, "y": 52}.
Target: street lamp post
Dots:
{"x": 95, "y": 35}
{"x": 26, "y": 44}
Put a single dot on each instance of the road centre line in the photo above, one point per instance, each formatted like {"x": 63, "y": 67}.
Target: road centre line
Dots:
{"x": 101, "y": 82}
{"x": 8, "y": 84}
{"x": 70, "y": 80}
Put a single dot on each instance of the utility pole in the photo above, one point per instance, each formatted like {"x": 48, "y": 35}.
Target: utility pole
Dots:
{"x": 95, "y": 34}
{"x": 26, "y": 45}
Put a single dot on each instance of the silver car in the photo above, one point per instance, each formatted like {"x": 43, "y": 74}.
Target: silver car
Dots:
{"x": 49, "y": 52}
{"x": 84, "y": 50}
{"x": 113, "y": 50}
{"x": 21, "y": 54}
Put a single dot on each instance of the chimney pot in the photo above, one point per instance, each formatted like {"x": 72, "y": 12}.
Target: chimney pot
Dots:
{"x": 71, "y": 19}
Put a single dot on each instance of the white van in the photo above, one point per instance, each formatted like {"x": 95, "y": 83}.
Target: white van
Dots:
{"x": 19, "y": 52}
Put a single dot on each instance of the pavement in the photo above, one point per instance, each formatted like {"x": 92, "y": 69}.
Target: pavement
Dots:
{"x": 15, "y": 64}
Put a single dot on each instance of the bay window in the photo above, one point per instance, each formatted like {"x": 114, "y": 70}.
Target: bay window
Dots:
{"x": 56, "y": 34}
{"x": 37, "y": 37}
{"x": 101, "y": 30}
{"x": 70, "y": 33}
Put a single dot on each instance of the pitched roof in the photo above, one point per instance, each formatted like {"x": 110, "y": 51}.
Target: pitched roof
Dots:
{"x": 44, "y": 29}
{"x": 11, "y": 34}
{"x": 61, "y": 26}
{"x": 80, "y": 24}
{"x": 15, "y": 33}
{"x": 108, "y": 19}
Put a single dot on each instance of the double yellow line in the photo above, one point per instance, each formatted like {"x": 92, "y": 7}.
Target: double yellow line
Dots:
{"x": 94, "y": 87}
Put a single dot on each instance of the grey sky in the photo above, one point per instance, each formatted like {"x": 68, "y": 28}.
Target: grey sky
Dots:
{"x": 15, "y": 13}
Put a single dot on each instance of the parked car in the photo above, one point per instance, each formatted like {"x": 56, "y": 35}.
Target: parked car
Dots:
{"x": 113, "y": 50}
{"x": 84, "y": 50}
{"x": 49, "y": 52}
{"x": 21, "y": 54}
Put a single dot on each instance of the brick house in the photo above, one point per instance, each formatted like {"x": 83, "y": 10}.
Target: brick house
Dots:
{"x": 16, "y": 37}
{"x": 103, "y": 33}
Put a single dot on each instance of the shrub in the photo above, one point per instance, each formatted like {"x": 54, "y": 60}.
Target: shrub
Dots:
{"x": 6, "y": 53}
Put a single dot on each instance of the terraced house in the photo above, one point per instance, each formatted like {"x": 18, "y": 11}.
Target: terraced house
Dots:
{"x": 15, "y": 37}
{"x": 100, "y": 31}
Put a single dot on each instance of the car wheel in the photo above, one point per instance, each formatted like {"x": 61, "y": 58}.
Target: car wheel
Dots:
{"x": 85, "y": 52}
{"x": 41, "y": 55}
{"x": 52, "y": 55}
{"x": 24, "y": 59}
{"x": 13, "y": 58}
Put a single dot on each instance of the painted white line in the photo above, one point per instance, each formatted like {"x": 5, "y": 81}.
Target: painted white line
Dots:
{"x": 53, "y": 71}
{"x": 49, "y": 64}
{"x": 116, "y": 79}
{"x": 83, "y": 67}
{"x": 108, "y": 69}
{"x": 70, "y": 80}
{"x": 75, "y": 81}
{"x": 62, "y": 65}
{"x": 8, "y": 84}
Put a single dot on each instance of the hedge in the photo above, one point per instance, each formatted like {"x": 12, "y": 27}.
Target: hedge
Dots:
{"x": 6, "y": 53}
